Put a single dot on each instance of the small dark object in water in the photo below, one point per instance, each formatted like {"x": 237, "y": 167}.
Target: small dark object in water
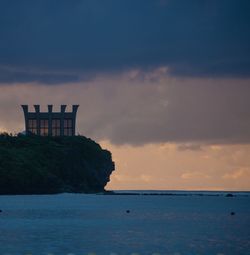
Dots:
{"x": 232, "y": 213}
{"x": 1, "y": 211}
{"x": 229, "y": 195}
{"x": 128, "y": 211}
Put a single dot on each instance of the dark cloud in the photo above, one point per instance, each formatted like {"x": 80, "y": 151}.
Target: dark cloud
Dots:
{"x": 65, "y": 40}
{"x": 17, "y": 75}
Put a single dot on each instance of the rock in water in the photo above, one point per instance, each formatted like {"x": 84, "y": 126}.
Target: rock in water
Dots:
{"x": 45, "y": 165}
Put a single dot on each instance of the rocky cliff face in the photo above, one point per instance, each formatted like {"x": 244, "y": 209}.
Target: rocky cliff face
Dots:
{"x": 43, "y": 165}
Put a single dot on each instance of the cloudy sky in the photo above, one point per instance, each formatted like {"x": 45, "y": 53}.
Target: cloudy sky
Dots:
{"x": 163, "y": 84}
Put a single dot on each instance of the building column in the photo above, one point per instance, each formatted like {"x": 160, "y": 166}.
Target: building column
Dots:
{"x": 50, "y": 107}
{"x": 25, "y": 111}
{"x": 63, "y": 109}
{"x": 37, "y": 110}
{"x": 74, "y": 111}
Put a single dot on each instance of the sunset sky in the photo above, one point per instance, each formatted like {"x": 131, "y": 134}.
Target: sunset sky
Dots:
{"x": 163, "y": 84}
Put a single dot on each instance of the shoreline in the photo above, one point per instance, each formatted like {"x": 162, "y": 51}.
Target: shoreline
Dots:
{"x": 229, "y": 194}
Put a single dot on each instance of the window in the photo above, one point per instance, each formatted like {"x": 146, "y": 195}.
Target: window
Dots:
{"x": 67, "y": 127}
{"x": 56, "y": 127}
{"x": 32, "y": 126}
{"x": 44, "y": 127}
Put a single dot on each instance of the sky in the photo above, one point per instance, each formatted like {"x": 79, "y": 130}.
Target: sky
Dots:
{"x": 163, "y": 84}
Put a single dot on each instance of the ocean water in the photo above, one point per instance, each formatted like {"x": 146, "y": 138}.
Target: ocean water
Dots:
{"x": 99, "y": 224}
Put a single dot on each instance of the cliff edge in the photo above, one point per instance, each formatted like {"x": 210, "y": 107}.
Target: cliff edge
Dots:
{"x": 46, "y": 165}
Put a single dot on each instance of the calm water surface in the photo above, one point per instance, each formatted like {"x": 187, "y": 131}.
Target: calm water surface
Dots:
{"x": 99, "y": 224}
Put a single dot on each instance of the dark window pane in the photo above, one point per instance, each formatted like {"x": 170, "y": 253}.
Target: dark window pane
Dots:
{"x": 32, "y": 123}
{"x": 55, "y": 131}
{"x": 44, "y": 131}
{"x": 56, "y": 123}
{"x": 70, "y": 123}
{"x": 32, "y": 130}
{"x": 67, "y": 123}
{"x": 44, "y": 123}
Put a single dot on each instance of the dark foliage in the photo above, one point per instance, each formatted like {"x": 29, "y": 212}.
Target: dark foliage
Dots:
{"x": 44, "y": 165}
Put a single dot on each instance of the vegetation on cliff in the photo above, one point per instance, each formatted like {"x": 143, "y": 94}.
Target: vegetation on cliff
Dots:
{"x": 44, "y": 165}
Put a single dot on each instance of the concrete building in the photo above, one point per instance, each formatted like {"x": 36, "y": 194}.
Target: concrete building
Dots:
{"x": 50, "y": 123}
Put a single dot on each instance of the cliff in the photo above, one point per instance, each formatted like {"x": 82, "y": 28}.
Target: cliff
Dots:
{"x": 45, "y": 165}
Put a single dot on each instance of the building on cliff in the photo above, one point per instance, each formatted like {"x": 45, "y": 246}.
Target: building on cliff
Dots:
{"x": 50, "y": 123}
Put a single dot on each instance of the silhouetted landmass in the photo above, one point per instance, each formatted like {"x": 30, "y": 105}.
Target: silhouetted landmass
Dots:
{"x": 45, "y": 165}
{"x": 183, "y": 193}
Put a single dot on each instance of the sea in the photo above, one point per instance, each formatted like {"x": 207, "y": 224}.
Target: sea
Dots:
{"x": 127, "y": 223}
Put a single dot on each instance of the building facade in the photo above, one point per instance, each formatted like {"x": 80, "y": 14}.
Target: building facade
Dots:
{"x": 50, "y": 123}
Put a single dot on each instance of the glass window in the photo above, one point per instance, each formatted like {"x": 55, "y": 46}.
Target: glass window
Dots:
{"x": 44, "y": 123}
{"x": 67, "y": 123}
{"x": 32, "y": 126}
{"x": 56, "y": 123}
{"x": 68, "y": 127}
{"x": 68, "y": 131}
{"x": 44, "y": 127}
{"x": 56, "y": 127}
